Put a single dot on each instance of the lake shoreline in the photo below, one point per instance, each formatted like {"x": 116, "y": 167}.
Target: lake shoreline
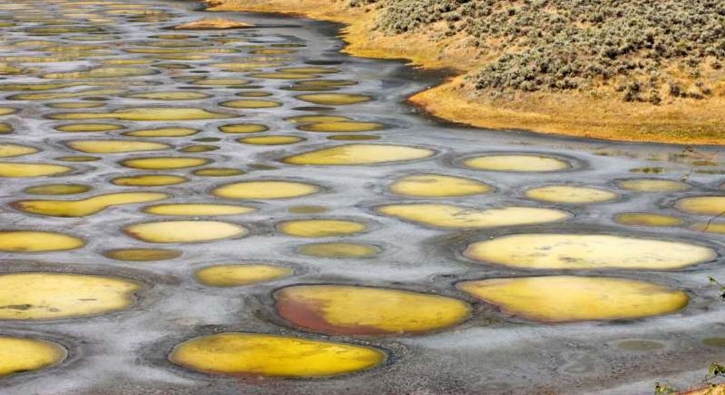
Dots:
{"x": 574, "y": 114}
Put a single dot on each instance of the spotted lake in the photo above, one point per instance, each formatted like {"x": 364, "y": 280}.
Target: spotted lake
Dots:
{"x": 250, "y": 211}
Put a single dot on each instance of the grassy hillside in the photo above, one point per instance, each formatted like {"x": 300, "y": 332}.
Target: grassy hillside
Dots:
{"x": 638, "y": 70}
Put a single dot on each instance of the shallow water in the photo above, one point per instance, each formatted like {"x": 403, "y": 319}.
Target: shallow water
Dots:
{"x": 248, "y": 191}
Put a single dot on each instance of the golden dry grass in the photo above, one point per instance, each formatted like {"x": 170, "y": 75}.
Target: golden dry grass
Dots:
{"x": 605, "y": 116}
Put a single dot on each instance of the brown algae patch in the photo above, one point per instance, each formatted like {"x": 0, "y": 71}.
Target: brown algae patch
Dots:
{"x": 88, "y": 127}
{"x": 217, "y": 172}
{"x": 146, "y": 114}
{"x": 517, "y": 163}
{"x": 248, "y": 103}
{"x": 338, "y": 250}
{"x": 154, "y": 180}
{"x": 239, "y": 275}
{"x": 141, "y": 254}
{"x": 47, "y": 296}
{"x": 342, "y": 127}
{"x": 6, "y": 128}
{"x": 281, "y": 76}
{"x": 199, "y": 209}
{"x": 570, "y": 194}
{"x": 9, "y": 150}
{"x": 78, "y": 158}
{"x": 19, "y": 355}
{"x": 307, "y": 209}
{"x": 256, "y": 355}
{"x": 84, "y": 207}
{"x": 266, "y": 189}
{"x": 360, "y": 154}
{"x": 353, "y": 310}
{"x": 702, "y": 205}
{"x": 579, "y": 251}
{"x": 199, "y": 148}
{"x": 653, "y": 185}
{"x": 22, "y": 170}
{"x": 449, "y": 216}
{"x": 271, "y": 140}
{"x": 243, "y": 128}
{"x": 320, "y": 228}
{"x": 184, "y": 231}
{"x": 162, "y": 132}
{"x": 714, "y": 341}
{"x": 115, "y": 146}
{"x": 57, "y": 189}
{"x": 558, "y": 299}
{"x": 647, "y": 219}
{"x": 334, "y": 99}
{"x": 164, "y": 163}
{"x": 437, "y": 185}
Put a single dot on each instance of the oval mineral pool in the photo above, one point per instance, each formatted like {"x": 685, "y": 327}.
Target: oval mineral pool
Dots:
{"x": 320, "y": 228}
{"x": 115, "y": 146}
{"x": 6, "y": 128}
{"x": 154, "y": 180}
{"x": 75, "y": 105}
{"x": 239, "y": 275}
{"x": 271, "y": 140}
{"x": 102, "y": 72}
{"x": 647, "y": 219}
{"x": 702, "y": 205}
{"x": 47, "y": 296}
{"x": 164, "y": 163}
{"x": 199, "y": 209}
{"x": 256, "y": 355}
{"x": 9, "y": 150}
{"x": 317, "y": 119}
{"x": 338, "y": 250}
{"x": 353, "y": 137}
{"x": 342, "y": 127}
{"x": 184, "y": 231}
{"x": 162, "y": 132}
{"x": 170, "y": 95}
{"x": 353, "y": 310}
{"x": 84, "y": 207}
{"x": 449, "y": 216}
{"x": 57, "y": 189}
{"x": 250, "y": 104}
{"x": 360, "y": 154}
{"x": 266, "y": 189}
{"x": 334, "y": 99}
{"x": 37, "y": 241}
{"x": 244, "y": 128}
{"x": 437, "y": 185}
{"x": 217, "y": 172}
{"x": 88, "y": 127}
{"x": 307, "y": 209}
{"x": 709, "y": 227}
{"x": 559, "y": 299}
{"x": 517, "y": 163}
{"x": 20, "y": 355}
{"x": 20, "y": 170}
{"x": 147, "y": 114}
{"x": 579, "y": 251}
{"x": 570, "y": 194}
{"x": 141, "y": 254}
{"x": 653, "y": 185}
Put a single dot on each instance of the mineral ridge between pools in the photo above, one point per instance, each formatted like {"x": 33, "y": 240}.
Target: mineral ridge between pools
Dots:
{"x": 252, "y": 211}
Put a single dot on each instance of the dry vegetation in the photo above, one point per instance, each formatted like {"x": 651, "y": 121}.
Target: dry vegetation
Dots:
{"x": 637, "y": 70}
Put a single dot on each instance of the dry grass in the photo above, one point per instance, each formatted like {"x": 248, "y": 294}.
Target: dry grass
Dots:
{"x": 571, "y": 113}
